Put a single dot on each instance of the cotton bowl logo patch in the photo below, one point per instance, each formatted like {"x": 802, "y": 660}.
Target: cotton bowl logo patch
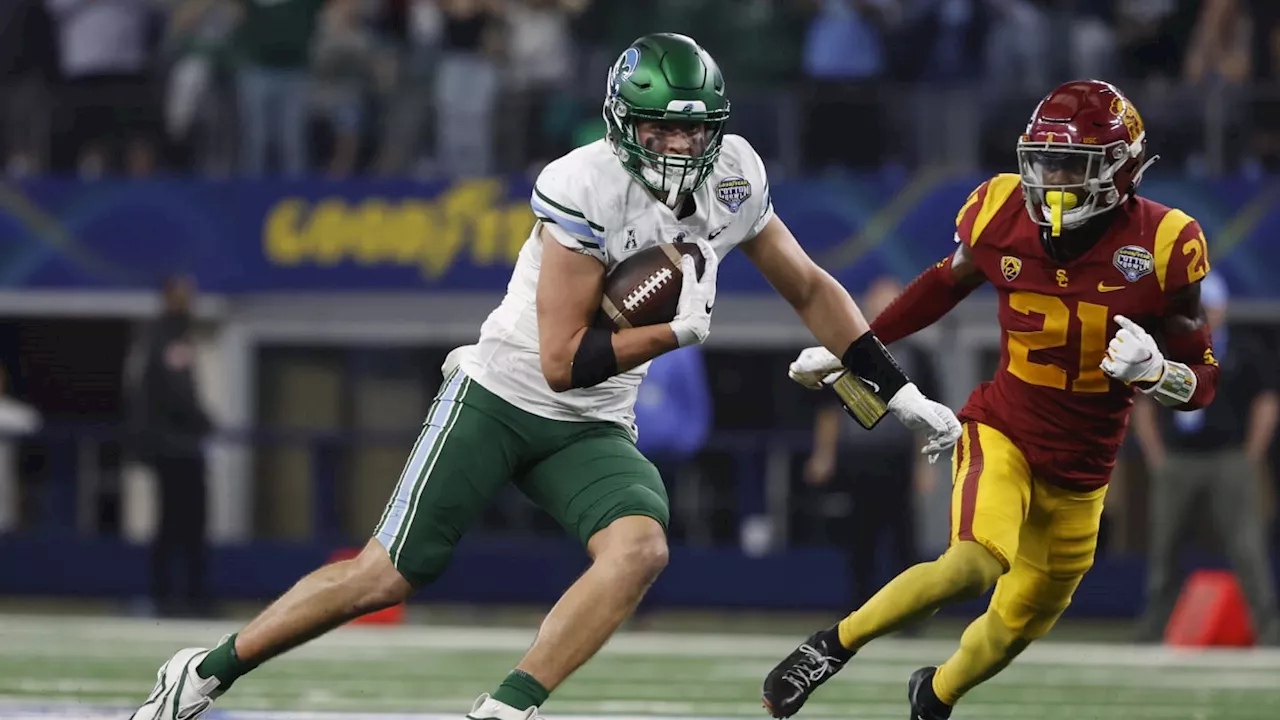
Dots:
{"x": 733, "y": 192}
{"x": 623, "y": 69}
{"x": 1010, "y": 266}
{"x": 1133, "y": 261}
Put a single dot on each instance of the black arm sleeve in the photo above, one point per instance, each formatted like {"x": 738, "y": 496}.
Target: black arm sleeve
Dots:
{"x": 594, "y": 362}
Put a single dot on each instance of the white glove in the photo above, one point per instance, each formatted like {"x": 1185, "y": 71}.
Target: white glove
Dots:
{"x": 921, "y": 414}
{"x": 692, "y": 323}
{"x": 815, "y": 367}
{"x": 1133, "y": 356}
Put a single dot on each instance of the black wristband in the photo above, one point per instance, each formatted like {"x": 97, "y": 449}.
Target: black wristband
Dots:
{"x": 868, "y": 358}
{"x": 594, "y": 362}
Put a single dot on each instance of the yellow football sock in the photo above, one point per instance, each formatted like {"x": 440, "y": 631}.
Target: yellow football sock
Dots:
{"x": 986, "y": 648}
{"x": 965, "y": 571}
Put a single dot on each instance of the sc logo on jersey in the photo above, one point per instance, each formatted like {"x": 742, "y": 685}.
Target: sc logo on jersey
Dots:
{"x": 1010, "y": 267}
{"x": 733, "y": 192}
{"x": 1133, "y": 261}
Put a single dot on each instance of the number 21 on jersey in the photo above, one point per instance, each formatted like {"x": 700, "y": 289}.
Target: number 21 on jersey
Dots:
{"x": 1055, "y": 334}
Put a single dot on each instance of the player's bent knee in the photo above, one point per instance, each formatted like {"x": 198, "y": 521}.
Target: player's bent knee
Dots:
{"x": 645, "y": 558}
{"x": 381, "y": 584}
{"x": 971, "y": 569}
{"x": 420, "y": 554}
{"x": 1002, "y": 636}
{"x": 637, "y": 545}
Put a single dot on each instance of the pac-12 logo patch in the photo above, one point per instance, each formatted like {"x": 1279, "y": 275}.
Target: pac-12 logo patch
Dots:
{"x": 1133, "y": 261}
{"x": 1010, "y": 266}
{"x": 733, "y": 192}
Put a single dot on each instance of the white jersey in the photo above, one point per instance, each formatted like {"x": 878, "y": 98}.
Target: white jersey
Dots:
{"x": 592, "y": 205}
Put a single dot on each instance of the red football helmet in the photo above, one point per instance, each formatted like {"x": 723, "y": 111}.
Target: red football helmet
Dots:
{"x": 1083, "y": 154}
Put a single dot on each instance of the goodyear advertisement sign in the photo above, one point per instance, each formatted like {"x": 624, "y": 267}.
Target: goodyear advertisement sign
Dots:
{"x": 365, "y": 235}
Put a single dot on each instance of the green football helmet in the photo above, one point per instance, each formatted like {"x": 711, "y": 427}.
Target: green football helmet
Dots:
{"x": 665, "y": 76}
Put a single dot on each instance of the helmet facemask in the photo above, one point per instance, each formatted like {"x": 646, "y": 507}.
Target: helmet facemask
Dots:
{"x": 1089, "y": 188}
{"x": 670, "y": 176}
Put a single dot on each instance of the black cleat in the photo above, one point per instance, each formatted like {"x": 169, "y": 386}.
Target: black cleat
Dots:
{"x": 791, "y": 682}
{"x": 925, "y": 705}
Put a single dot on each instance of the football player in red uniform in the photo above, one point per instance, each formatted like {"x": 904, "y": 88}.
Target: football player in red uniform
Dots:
{"x": 1087, "y": 272}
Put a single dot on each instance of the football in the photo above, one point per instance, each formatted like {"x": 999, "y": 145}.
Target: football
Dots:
{"x": 644, "y": 289}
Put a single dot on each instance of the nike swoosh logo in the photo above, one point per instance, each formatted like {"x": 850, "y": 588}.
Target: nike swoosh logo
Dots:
{"x": 719, "y": 230}
{"x": 709, "y": 306}
{"x": 874, "y": 387}
{"x": 1105, "y": 288}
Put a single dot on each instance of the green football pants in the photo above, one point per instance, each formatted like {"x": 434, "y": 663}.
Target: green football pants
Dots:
{"x": 584, "y": 474}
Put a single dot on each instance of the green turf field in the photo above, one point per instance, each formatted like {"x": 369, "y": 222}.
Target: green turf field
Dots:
{"x": 70, "y": 667}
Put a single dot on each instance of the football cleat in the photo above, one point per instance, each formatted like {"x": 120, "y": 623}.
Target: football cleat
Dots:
{"x": 924, "y": 704}
{"x": 180, "y": 694}
{"x": 790, "y": 683}
{"x": 486, "y": 708}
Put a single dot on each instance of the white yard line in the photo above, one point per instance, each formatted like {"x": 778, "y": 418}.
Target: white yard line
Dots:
{"x": 89, "y": 632}
{"x": 1051, "y": 681}
{"x": 18, "y": 710}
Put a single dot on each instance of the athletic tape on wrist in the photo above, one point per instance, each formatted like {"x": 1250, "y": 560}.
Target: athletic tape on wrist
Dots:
{"x": 1176, "y": 385}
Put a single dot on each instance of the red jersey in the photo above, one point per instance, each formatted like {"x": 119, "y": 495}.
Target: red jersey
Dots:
{"x": 1049, "y": 395}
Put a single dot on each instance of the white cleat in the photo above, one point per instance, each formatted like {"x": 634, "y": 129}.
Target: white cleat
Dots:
{"x": 486, "y": 708}
{"x": 180, "y": 694}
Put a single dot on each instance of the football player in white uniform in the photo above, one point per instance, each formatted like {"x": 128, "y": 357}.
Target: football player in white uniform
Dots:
{"x": 545, "y": 400}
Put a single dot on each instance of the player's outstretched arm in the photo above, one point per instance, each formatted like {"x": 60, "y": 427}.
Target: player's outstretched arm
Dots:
{"x": 874, "y": 383}
{"x": 574, "y": 354}
{"x": 821, "y": 302}
{"x": 931, "y": 295}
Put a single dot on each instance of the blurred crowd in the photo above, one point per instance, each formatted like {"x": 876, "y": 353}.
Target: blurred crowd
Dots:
{"x": 466, "y": 87}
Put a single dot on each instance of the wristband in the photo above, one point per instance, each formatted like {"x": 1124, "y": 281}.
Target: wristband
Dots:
{"x": 871, "y": 381}
{"x": 1176, "y": 385}
{"x": 868, "y": 358}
